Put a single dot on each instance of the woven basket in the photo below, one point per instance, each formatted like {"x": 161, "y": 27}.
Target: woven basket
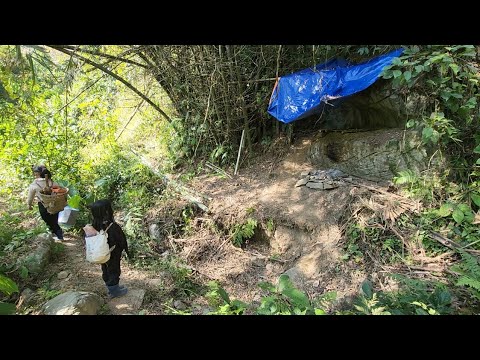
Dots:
{"x": 54, "y": 203}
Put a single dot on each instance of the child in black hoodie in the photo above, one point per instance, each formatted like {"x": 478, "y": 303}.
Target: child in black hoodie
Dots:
{"x": 102, "y": 219}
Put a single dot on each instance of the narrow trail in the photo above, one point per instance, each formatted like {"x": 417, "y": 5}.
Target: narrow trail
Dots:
{"x": 71, "y": 272}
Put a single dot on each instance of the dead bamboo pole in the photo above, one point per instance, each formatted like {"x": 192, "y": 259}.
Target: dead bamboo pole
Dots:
{"x": 239, "y": 152}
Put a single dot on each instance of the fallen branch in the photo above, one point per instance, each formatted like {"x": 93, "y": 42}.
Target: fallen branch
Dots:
{"x": 450, "y": 243}
{"x": 217, "y": 169}
{"x": 421, "y": 268}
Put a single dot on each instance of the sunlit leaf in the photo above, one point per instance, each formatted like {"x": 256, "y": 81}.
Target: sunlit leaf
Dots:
{"x": 445, "y": 210}
{"x": 458, "y": 215}
{"x": 7, "y": 285}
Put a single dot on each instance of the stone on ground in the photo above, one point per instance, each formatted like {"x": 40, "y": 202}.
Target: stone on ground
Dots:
{"x": 73, "y": 303}
{"x": 127, "y": 304}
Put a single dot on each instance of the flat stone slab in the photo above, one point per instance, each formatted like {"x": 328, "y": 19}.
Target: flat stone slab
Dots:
{"x": 301, "y": 182}
{"x": 321, "y": 185}
{"x": 127, "y": 304}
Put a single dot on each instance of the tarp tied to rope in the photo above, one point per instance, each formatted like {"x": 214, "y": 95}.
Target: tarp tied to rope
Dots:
{"x": 301, "y": 94}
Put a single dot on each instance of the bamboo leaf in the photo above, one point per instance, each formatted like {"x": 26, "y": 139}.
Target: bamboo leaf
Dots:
{"x": 7, "y": 285}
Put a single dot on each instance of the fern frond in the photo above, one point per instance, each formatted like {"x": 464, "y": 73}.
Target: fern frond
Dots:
{"x": 468, "y": 281}
{"x": 405, "y": 177}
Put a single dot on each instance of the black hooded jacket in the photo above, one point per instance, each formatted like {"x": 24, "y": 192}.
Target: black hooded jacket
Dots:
{"x": 117, "y": 237}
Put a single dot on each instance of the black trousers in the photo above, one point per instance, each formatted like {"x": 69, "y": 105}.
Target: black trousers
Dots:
{"x": 50, "y": 219}
{"x": 111, "y": 269}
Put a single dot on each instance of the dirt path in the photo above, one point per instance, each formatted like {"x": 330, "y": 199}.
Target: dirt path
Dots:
{"x": 84, "y": 276}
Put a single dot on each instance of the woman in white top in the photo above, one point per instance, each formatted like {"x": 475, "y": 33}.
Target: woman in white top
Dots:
{"x": 34, "y": 189}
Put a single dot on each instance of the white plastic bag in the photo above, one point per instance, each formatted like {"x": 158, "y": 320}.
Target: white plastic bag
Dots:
{"x": 68, "y": 216}
{"x": 97, "y": 250}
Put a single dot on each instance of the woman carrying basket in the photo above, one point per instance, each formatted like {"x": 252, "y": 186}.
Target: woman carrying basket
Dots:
{"x": 41, "y": 183}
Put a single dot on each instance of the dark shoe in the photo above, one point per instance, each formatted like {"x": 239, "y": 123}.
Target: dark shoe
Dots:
{"x": 59, "y": 234}
{"x": 116, "y": 291}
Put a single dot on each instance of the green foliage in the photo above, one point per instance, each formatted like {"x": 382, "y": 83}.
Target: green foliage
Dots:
{"x": 221, "y": 154}
{"x": 285, "y": 299}
{"x": 47, "y": 294}
{"x": 218, "y": 299}
{"x": 459, "y": 212}
{"x": 35, "y": 128}
{"x": 353, "y": 251}
{"x": 469, "y": 270}
{"x": 23, "y": 272}
{"x": 243, "y": 232}
{"x": 405, "y": 177}
{"x": 7, "y": 308}
{"x": 184, "y": 283}
{"x": 119, "y": 177}
{"x": 367, "y": 303}
{"x": 74, "y": 201}
{"x": 9, "y": 225}
{"x": 370, "y": 238}
{"x": 270, "y": 226}
{"x": 8, "y": 287}
{"x": 414, "y": 297}
{"x": 449, "y": 77}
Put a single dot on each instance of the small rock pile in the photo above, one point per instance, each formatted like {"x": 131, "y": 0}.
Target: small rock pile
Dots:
{"x": 323, "y": 179}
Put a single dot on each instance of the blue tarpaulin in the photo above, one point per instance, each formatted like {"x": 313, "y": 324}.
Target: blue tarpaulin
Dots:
{"x": 301, "y": 94}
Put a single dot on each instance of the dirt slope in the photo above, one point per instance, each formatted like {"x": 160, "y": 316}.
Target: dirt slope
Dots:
{"x": 304, "y": 242}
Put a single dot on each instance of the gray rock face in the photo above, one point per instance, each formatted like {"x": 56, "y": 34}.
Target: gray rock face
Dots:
{"x": 74, "y": 303}
{"x": 25, "y": 298}
{"x": 373, "y": 155}
{"x": 36, "y": 261}
{"x": 373, "y": 108}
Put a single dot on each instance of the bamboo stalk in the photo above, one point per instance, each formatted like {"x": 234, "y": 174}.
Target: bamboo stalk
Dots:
{"x": 239, "y": 152}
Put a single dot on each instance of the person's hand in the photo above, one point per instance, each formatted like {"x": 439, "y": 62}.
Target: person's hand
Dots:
{"x": 89, "y": 230}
